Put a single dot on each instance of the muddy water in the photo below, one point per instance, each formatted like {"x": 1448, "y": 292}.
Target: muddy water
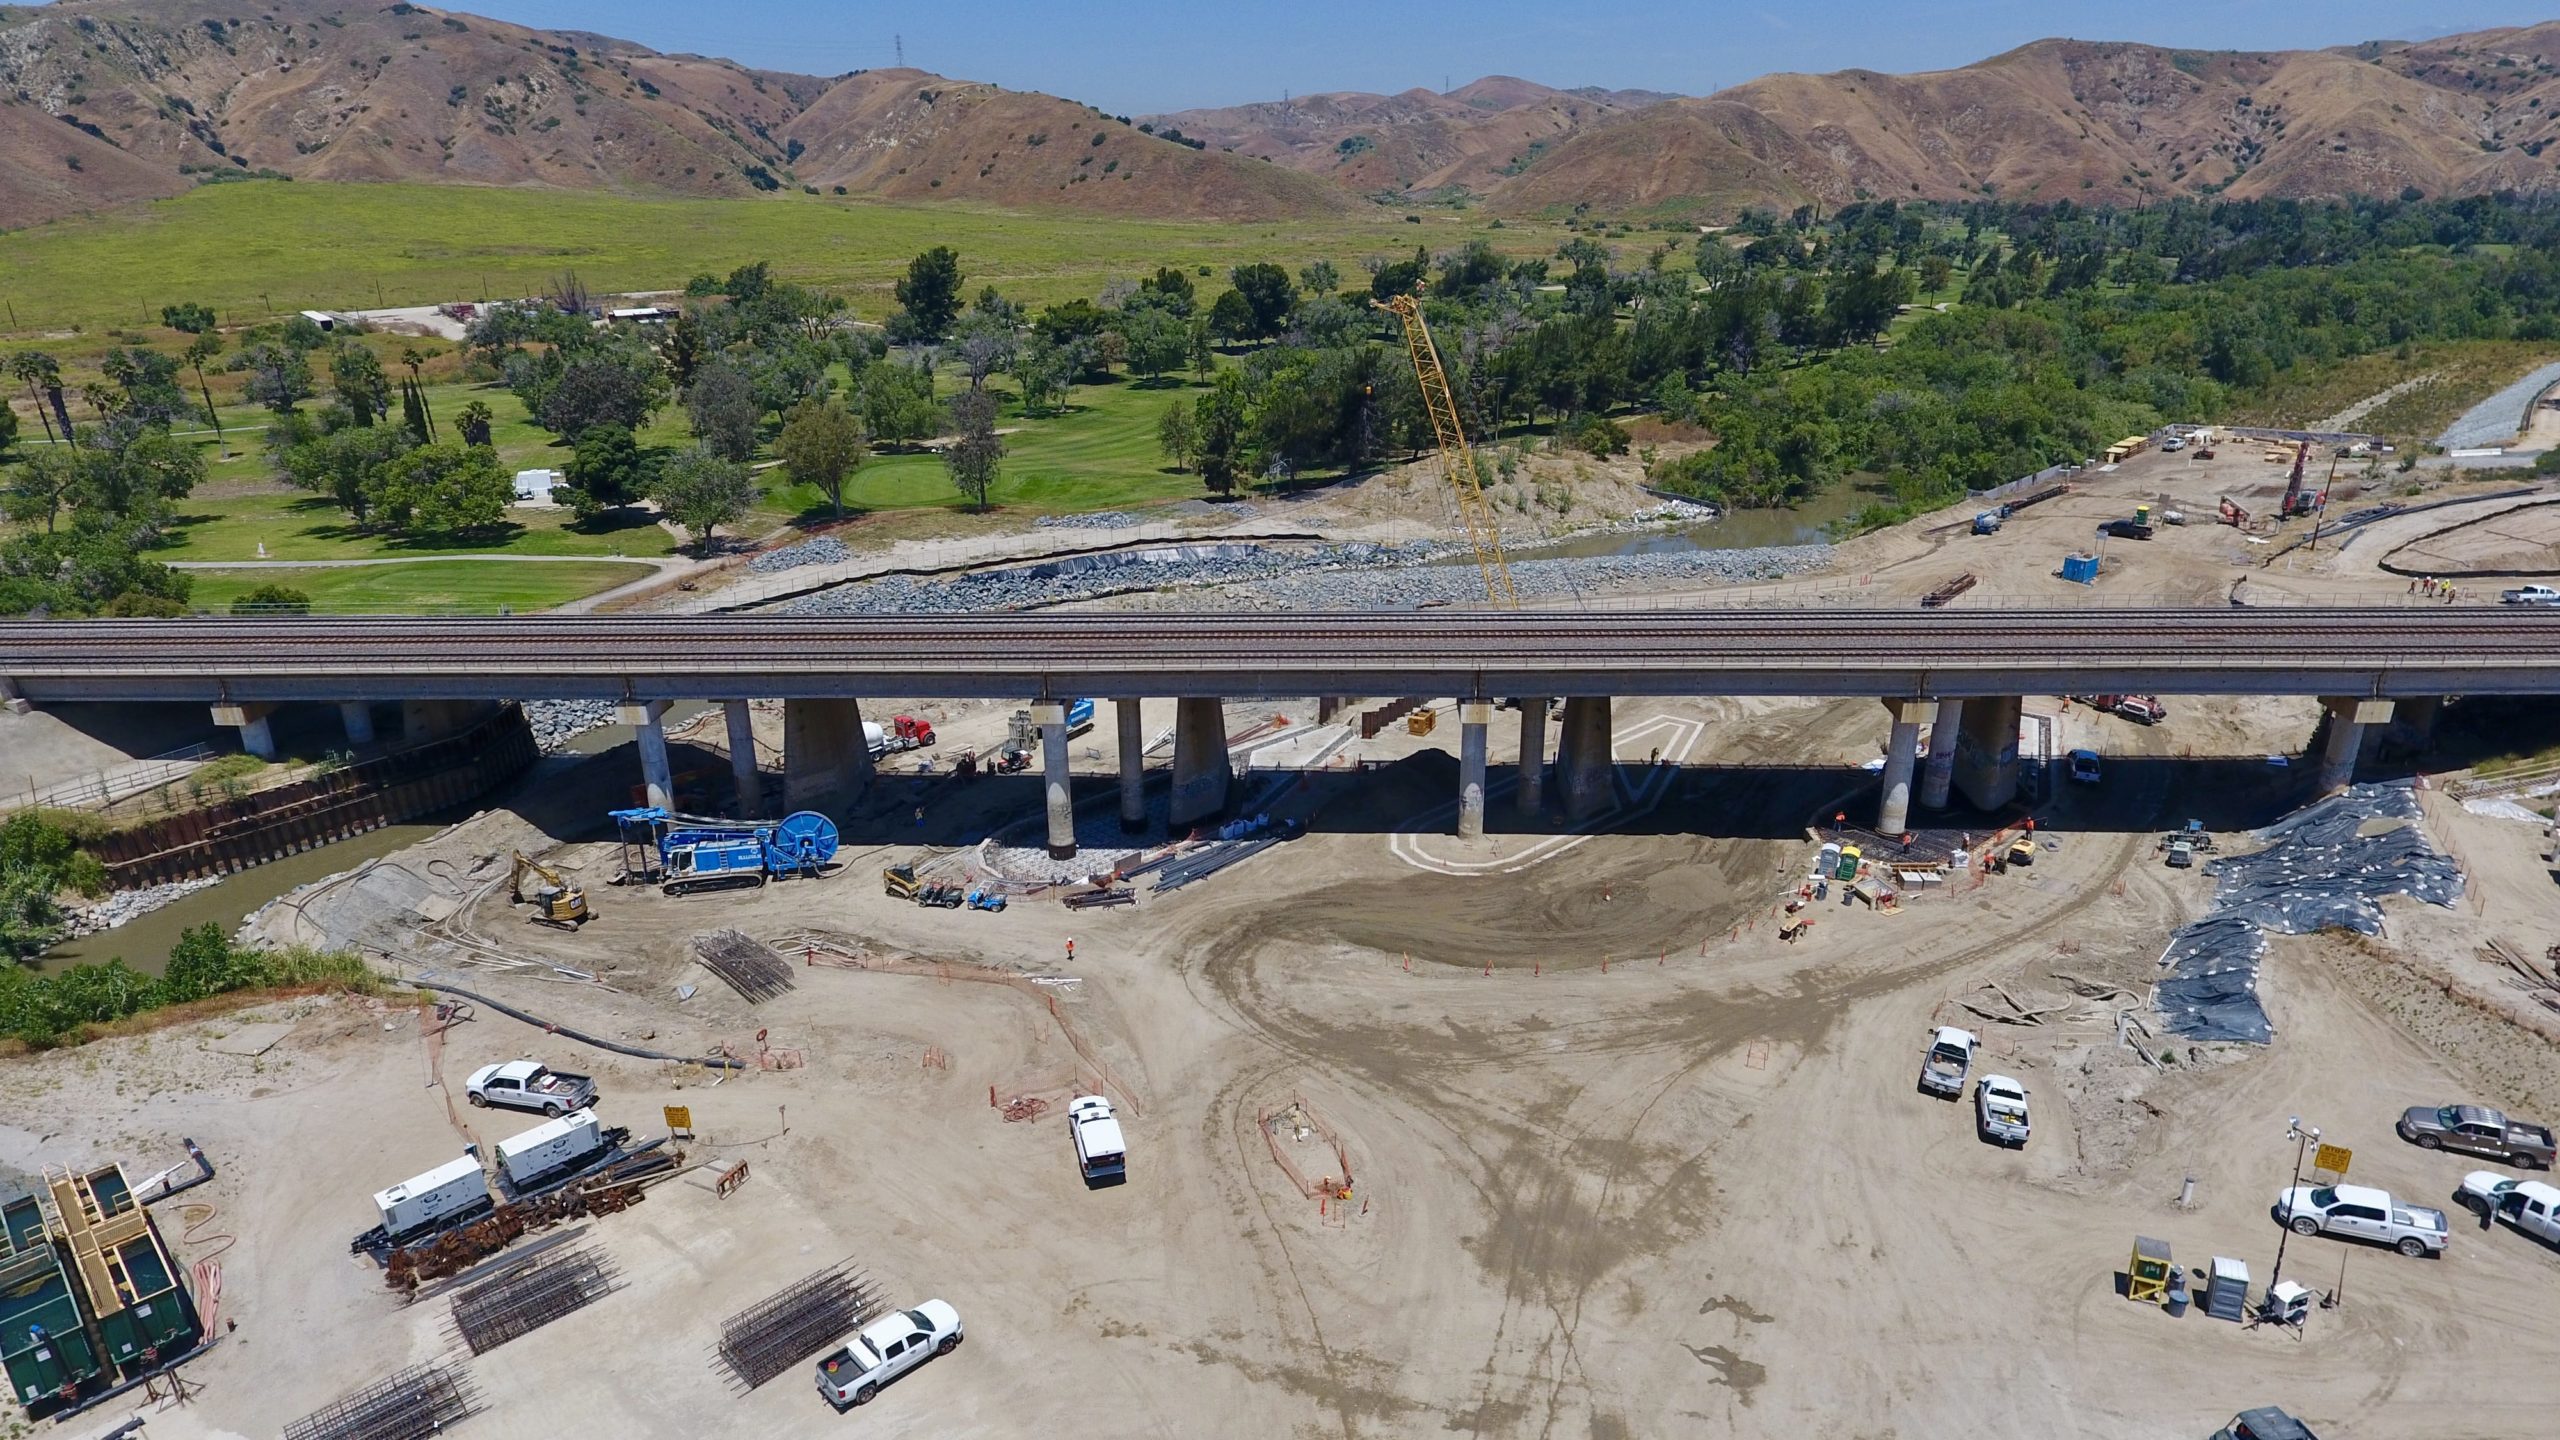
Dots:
{"x": 144, "y": 942}
{"x": 1735, "y": 530}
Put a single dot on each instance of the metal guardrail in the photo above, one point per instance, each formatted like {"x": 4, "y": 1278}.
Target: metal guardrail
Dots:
{"x": 105, "y": 787}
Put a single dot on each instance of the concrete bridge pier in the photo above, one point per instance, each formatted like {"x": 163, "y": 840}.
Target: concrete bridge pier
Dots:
{"x": 1986, "y": 763}
{"x": 2349, "y": 720}
{"x": 10, "y": 699}
{"x": 1133, "y": 764}
{"x": 1533, "y": 752}
{"x": 1474, "y": 716}
{"x": 256, "y": 736}
{"x": 1901, "y": 753}
{"x": 357, "y": 717}
{"x": 2414, "y": 718}
{"x": 826, "y": 762}
{"x": 742, "y": 758}
{"x": 1938, "y": 772}
{"x": 649, "y": 733}
{"x": 1057, "y": 784}
{"x": 1586, "y": 756}
{"x": 1201, "y": 769}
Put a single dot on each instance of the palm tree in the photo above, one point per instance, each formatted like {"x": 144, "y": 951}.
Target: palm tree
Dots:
{"x": 202, "y": 348}
{"x": 413, "y": 357}
{"x": 28, "y": 367}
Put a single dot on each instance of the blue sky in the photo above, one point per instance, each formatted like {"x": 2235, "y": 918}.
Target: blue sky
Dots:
{"x": 1132, "y": 56}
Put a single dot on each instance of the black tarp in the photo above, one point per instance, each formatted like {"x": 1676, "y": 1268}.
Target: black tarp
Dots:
{"x": 2325, "y": 866}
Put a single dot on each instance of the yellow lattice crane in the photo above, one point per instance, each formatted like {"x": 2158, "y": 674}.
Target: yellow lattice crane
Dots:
{"x": 1457, "y": 462}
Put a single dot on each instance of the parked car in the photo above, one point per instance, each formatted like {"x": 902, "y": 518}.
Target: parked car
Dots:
{"x": 1948, "y": 1061}
{"x": 2126, "y": 530}
{"x": 2084, "y": 766}
{"x": 2361, "y": 1212}
{"x": 530, "y": 1085}
{"x": 2530, "y": 595}
{"x": 1101, "y": 1154}
{"x": 2478, "y": 1130}
{"x": 2181, "y": 854}
{"x": 2264, "y": 1423}
{"x": 2000, "y": 1110}
{"x": 884, "y": 1350}
{"x": 2481, "y": 1190}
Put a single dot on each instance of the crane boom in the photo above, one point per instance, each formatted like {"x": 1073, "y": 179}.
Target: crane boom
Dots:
{"x": 1457, "y": 463}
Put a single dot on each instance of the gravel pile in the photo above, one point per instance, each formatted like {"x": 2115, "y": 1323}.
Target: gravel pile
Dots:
{"x": 2502, "y": 416}
{"x": 1094, "y": 520}
{"x": 556, "y": 722}
{"x": 124, "y": 905}
{"x": 824, "y": 550}
{"x": 1342, "y": 576}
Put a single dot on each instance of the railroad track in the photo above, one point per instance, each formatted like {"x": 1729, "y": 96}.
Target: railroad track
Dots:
{"x": 2395, "y": 650}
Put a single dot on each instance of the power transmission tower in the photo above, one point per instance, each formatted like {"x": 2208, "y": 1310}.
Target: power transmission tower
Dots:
{"x": 899, "y": 43}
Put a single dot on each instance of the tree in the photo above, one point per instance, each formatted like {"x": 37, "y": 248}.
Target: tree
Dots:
{"x": 897, "y": 403}
{"x": 930, "y": 292}
{"x": 271, "y": 600}
{"x": 682, "y": 347}
{"x": 190, "y": 317}
{"x": 8, "y": 428}
{"x": 1220, "y": 420}
{"x": 622, "y": 387}
{"x": 355, "y": 373}
{"x": 43, "y": 484}
{"x": 605, "y": 471}
{"x": 34, "y": 369}
{"x": 202, "y": 348}
{"x": 416, "y": 359}
{"x": 1204, "y": 356}
{"x": 301, "y": 333}
{"x": 1177, "y": 434}
{"x": 473, "y": 423}
{"x": 703, "y": 490}
{"x": 976, "y": 455}
{"x": 345, "y": 465}
{"x": 1320, "y": 278}
{"x": 1170, "y": 290}
{"x": 1042, "y": 368}
{"x": 724, "y": 410}
{"x": 821, "y": 444}
{"x": 1232, "y": 316}
{"x": 443, "y": 489}
{"x": 1155, "y": 339}
{"x": 1267, "y": 289}
{"x": 984, "y": 341}
{"x": 279, "y": 378}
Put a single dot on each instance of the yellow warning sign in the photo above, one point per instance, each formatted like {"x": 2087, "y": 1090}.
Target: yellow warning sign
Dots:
{"x": 2332, "y": 1158}
{"x": 680, "y": 1119}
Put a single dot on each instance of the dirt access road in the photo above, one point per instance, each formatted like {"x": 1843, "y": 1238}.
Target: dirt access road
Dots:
{"x": 1586, "y": 1201}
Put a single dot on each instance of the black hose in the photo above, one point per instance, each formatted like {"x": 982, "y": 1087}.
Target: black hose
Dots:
{"x": 204, "y": 1172}
{"x": 634, "y": 1051}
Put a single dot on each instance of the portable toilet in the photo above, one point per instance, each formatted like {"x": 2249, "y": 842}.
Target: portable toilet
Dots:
{"x": 2080, "y": 569}
{"x": 1847, "y": 866}
{"x": 2226, "y": 1291}
{"x": 2141, "y": 514}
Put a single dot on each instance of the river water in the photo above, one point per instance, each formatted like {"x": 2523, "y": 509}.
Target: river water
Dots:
{"x": 145, "y": 941}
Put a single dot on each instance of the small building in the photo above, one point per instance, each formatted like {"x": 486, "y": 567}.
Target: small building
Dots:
{"x": 533, "y": 487}
{"x": 321, "y": 318}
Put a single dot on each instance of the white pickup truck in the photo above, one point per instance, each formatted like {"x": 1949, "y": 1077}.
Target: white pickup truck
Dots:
{"x": 530, "y": 1085}
{"x": 1101, "y": 1153}
{"x": 2000, "y": 1110}
{"x": 1948, "y": 1061}
{"x": 886, "y": 1349}
{"x": 2361, "y": 1212}
{"x": 2531, "y": 1207}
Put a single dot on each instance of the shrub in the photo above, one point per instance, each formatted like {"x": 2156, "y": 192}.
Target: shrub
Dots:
{"x": 272, "y": 600}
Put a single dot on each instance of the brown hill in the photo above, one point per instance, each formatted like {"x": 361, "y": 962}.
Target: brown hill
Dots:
{"x": 2089, "y": 122}
{"x": 1417, "y": 141}
{"x": 109, "y": 100}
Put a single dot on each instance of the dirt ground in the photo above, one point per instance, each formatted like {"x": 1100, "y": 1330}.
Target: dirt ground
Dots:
{"x": 1621, "y": 1163}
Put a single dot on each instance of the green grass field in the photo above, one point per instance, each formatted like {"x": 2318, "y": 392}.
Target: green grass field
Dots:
{"x": 260, "y": 249}
{"x": 463, "y": 586}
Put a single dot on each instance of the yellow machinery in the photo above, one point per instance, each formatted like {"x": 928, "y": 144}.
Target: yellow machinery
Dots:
{"x": 555, "y": 901}
{"x": 1456, "y": 461}
{"x": 2147, "y": 1274}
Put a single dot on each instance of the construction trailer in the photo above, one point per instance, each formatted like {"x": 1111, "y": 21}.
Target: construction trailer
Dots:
{"x": 134, "y": 1293}
{"x": 44, "y": 1342}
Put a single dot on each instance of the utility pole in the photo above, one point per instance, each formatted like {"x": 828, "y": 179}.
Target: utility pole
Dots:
{"x": 898, "y": 43}
{"x": 2302, "y": 1138}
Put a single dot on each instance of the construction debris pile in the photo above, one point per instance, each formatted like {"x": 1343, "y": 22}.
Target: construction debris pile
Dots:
{"x": 1348, "y": 575}
{"x": 2325, "y": 867}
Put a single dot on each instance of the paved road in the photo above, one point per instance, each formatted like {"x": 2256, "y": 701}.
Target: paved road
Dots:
{"x": 2372, "y": 652}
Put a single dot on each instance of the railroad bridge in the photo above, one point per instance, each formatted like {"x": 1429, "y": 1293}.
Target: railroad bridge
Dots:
{"x": 1964, "y": 672}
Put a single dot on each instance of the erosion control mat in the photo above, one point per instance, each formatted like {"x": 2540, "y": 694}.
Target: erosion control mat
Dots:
{"x": 2325, "y": 866}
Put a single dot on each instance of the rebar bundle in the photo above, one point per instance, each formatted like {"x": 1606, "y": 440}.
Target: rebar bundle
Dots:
{"x": 766, "y": 1339}
{"x": 748, "y": 965}
{"x": 530, "y": 1296}
{"x": 409, "y": 1404}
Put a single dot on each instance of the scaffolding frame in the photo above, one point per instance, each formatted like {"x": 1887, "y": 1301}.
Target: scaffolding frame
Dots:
{"x": 408, "y": 1404}
{"x": 768, "y": 1338}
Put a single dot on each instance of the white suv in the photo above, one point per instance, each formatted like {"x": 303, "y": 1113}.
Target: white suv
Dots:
{"x": 886, "y": 1349}
{"x": 2363, "y": 1213}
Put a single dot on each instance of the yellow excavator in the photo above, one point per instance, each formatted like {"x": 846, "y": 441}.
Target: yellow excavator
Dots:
{"x": 555, "y": 901}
